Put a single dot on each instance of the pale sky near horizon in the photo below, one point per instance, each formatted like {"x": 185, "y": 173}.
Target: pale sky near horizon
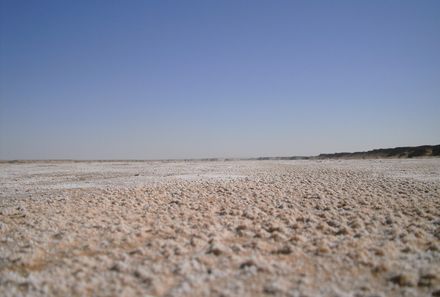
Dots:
{"x": 195, "y": 79}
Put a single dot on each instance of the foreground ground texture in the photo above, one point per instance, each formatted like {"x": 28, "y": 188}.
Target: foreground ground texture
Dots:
{"x": 239, "y": 228}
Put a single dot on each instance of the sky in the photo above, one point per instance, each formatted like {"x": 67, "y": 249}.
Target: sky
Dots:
{"x": 196, "y": 79}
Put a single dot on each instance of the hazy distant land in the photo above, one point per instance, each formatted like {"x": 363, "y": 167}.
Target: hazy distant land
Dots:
{"x": 397, "y": 152}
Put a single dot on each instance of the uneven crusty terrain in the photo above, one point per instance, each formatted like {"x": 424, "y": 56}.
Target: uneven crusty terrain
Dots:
{"x": 241, "y": 228}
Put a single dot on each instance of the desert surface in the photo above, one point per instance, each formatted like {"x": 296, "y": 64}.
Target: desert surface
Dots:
{"x": 221, "y": 228}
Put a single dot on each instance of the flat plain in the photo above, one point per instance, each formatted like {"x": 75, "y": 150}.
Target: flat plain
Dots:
{"x": 221, "y": 228}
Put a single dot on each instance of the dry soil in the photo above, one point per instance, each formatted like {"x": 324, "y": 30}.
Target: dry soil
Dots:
{"x": 239, "y": 228}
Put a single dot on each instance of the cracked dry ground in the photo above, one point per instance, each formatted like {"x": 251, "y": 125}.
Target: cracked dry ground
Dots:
{"x": 239, "y": 228}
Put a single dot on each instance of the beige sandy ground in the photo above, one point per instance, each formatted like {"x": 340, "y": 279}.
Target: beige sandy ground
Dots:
{"x": 242, "y": 228}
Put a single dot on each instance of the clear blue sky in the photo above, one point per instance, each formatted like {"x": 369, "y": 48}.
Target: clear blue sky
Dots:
{"x": 182, "y": 79}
